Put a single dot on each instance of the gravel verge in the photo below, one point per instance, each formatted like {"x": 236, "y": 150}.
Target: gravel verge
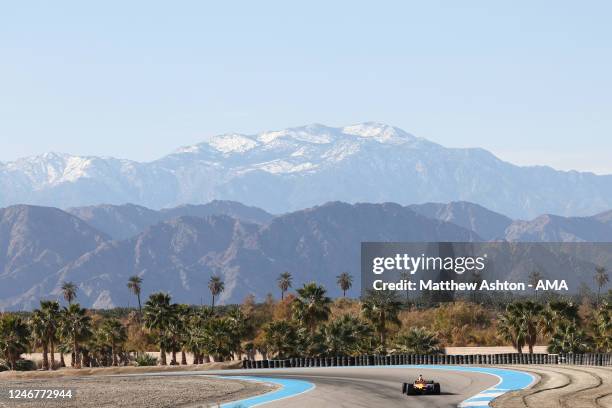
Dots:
{"x": 562, "y": 386}
{"x": 135, "y": 391}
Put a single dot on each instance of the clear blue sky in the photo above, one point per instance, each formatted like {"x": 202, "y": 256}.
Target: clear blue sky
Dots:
{"x": 530, "y": 81}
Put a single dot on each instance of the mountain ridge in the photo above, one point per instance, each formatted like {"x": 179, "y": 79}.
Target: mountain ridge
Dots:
{"x": 300, "y": 167}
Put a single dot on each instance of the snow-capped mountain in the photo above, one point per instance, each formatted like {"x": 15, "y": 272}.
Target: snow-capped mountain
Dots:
{"x": 304, "y": 166}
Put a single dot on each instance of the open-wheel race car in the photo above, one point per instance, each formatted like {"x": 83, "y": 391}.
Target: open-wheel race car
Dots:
{"x": 421, "y": 387}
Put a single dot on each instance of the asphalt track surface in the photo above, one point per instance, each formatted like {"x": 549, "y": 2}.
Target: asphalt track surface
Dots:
{"x": 374, "y": 386}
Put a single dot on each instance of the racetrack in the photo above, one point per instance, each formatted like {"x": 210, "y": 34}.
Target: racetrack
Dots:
{"x": 375, "y": 386}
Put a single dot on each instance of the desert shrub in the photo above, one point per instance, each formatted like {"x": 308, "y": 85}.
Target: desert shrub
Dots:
{"x": 25, "y": 365}
{"x": 145, "y": 360}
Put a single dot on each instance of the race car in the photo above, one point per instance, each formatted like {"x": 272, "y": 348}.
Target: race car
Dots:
{"x": 421, "y": 387}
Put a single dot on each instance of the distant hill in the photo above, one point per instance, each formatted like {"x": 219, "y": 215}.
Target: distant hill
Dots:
{"x": 486, "y": 223}
{"x": 177, "y": 250}
{"x": 127, "y": 220}
{"x": 35, "y": 242}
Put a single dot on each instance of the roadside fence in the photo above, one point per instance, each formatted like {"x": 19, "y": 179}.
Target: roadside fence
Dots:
{"x": 593, "y": 359}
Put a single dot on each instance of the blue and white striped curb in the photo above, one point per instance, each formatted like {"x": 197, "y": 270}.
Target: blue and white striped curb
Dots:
{"x": 288, "y": 388}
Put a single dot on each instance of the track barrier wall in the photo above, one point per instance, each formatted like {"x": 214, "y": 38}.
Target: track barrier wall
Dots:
{"x": 591, "y": 359}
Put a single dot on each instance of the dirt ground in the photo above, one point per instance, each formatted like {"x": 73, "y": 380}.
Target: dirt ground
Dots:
{"x": 98, "y": 371}
{"x": 134, "y": 392}
{"x": 562, "y": 386}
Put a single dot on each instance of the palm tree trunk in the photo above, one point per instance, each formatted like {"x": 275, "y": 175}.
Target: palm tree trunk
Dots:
{"x": 139, "y": 307}
{"x": 114, "y": 353}
{"x": 52, "y": 356}
{"x": 213, "y": 301}
{"x": 75, "y": 353}
{"x": 45, "y": 356}
{"x": 62, "y": 361}
{"x": 162, "y": 356}
{"x": 183, "y": 358}
{"x": 598, "y": 294}
{"x": 173, "y": 361}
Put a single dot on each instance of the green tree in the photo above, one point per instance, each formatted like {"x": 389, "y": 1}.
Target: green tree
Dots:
{"x": 50, "y": 314}
{"x": 556, "y": 313}
{"x": 418, "y": 340}
{"x": 281, "y": 338}
{"x": 216, "y": 286}
{"x": 135, "y": 286}
{"x": 69, "y": 290}
{"x": 196, "y": 337}
{"x": 311, "y": 306}
{"x": 240, "y": 327}
{"x": 602, "y": 328}
{"x": 115, "y": 335}
{"x": 218, "y": 338}
{"x": 520, "y": 324}
{"x": 510, "y": 329}
{"x": 345, "y": 336}
{"x": 284, "y": 281}
{"x": 38, "y": 329}
{"x": 345, "y": 282}
{"x": 569, "y": 339}
{"x": 77, "y": 325}
{"x": 14, "y": 333}
{"x": 601, "y": 279}
{"x": 381, "y": 308}
{"x": 159, "y": 315}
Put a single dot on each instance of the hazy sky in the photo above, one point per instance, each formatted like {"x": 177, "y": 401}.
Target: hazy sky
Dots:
{"x": 530, "y": 81}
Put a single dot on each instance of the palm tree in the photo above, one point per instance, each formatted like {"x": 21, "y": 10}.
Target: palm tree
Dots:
{"x": 602, "y": 328}
{"x": 69, "y": 291}
{"x": 345, "y": 281}
{"x": 50, "y": 310}
{"x": 14, "y": 333}
{"x": 534, "y": 278}
{"x": 77, "y": 326}
{"x": 380, "y": 308}
{"x": 114, "y": 334}
{"x": 601, "y": 279}
{"x": 311, "y": 306}
{"x": 38, "y": 329}
{"x": 196, "y": 341}
{"x": 520, "y": 324}
{"x": 510, "y": 329}
{"x": 557, "y": 312}
{"x": 281, "y": 338}
{"x": 418, "y": 340}
{"x": 218, "y": 340}
{"x": 160, "y": 315}
{"x": 569, "y": 339}
{"x": 216, "y": 286}
{"x": 345, "y": 336}
{"x": 284, "y": 281}
{"x": 135, "y": 285}
{"x": 240, "y": 327}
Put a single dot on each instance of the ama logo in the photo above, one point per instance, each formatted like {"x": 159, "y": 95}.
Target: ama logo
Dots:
{"x": 551, "y": 285}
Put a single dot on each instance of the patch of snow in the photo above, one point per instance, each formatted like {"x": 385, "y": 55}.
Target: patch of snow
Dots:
{"x": 232, "y": 143}
{"x": 282, "y": 166}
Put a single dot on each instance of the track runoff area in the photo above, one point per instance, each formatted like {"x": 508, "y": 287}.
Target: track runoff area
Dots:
{"x": 378, "y": 386}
